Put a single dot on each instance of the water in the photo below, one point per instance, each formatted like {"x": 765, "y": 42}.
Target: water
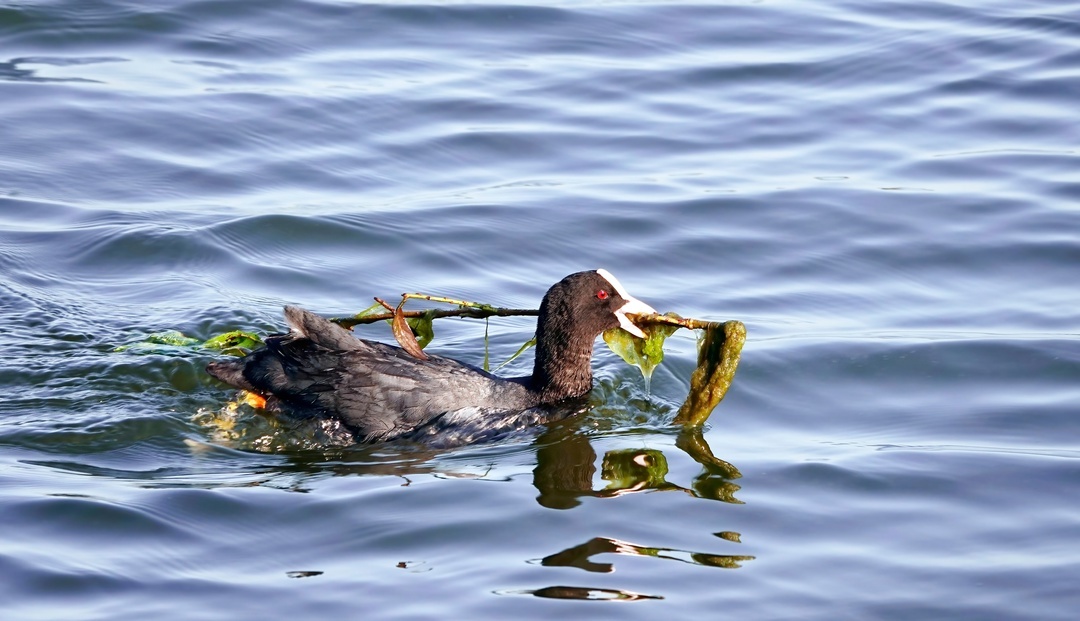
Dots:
{"x": 886, "y": 194}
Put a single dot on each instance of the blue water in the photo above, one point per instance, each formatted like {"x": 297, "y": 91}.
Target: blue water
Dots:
{"x": 886, "y": 193}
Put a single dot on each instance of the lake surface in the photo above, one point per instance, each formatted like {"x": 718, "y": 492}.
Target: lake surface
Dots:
{"x": 886, "y": 193}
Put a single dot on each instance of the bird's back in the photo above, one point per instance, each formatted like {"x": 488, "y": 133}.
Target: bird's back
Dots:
{"x": 379, "y": 391}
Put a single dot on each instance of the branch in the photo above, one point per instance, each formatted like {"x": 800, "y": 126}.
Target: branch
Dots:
{"x": 441, "y": 299}
{"x": 473, "y": 313}
{"x": 476, "y": 310}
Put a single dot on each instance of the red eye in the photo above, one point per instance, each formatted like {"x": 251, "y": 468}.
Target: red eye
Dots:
{"x": 601, "y": 294}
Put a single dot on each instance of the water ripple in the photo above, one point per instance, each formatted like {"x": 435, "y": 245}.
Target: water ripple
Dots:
{"x": 885, "y": 194}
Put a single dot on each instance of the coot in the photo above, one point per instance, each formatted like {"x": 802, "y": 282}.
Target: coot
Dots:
{"x": 380, "y": 392}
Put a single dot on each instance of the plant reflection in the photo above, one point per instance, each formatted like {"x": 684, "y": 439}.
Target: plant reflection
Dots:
{"x": 565, "y": 467}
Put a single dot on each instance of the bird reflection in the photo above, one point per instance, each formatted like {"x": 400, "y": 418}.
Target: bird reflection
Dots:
{"x": 587, "y": 593}
{"x": 580, "y": 556}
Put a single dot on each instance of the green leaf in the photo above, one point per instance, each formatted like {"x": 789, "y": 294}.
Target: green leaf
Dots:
{"x": 236, "y": 342}
{"x": 487, "y": 360}
{"x": 374, "y": 309}
{"x": 646, "y": 353}
{"x": 423, "y": 328}
{"x": 171, "y": 337}
{"x": 529, "y": 343}
{"x": 152, "y": 342}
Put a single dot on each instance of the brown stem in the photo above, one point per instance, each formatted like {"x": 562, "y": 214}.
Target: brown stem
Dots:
{"x": 473, "y": 313}
{"x": 475, "y": 310}
{"x": 444, "y": 300}
{"x": 683, "y": 322}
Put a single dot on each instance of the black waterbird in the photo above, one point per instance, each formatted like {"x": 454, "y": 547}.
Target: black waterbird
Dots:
{"x": 380, "y": 392}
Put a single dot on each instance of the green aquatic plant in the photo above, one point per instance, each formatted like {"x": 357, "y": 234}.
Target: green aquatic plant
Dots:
{"x": 719, "y": 349}
{"x": 236, "y": 342}
{"x": 524, "y": 346}
{"x": 170, "y": 338}
{"x": 643, "y": 353}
